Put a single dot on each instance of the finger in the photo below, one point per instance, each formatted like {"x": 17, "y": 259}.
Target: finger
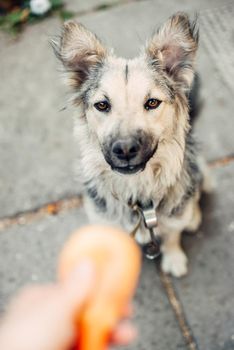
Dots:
{"x": 30, "y": 296}
{"x": 124, "y": 334}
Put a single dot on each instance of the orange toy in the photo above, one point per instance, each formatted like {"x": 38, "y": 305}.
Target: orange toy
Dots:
{"x": 117, "y": 260}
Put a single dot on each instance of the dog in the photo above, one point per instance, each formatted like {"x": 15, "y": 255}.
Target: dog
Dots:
{"x": 132, "y": 127}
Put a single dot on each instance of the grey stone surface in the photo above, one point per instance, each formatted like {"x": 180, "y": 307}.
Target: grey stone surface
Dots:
{"x": 207, "y": 293}
{"x": 29, "y": 254}
{"x": 214, "y": 126}
{"x": 153, "y": 315}
{"x": 36, "y": 139}
{"x": 36, "y": 150}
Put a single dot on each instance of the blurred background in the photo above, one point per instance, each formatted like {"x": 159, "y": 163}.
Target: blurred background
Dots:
{"x": 39, "y": 197}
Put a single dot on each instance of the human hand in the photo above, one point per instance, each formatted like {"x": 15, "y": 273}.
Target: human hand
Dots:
{"x": 41, "y": 317}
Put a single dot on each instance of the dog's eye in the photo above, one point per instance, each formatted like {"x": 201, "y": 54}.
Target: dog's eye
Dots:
{"x": 102, "y": 106}
{"x": 152, "y": 103}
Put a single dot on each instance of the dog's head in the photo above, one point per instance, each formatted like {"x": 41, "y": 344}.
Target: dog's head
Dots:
{"x": 135, "y": 107}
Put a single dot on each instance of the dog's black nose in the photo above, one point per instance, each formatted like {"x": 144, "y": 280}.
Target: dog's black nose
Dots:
{"x": 125, "y": 149}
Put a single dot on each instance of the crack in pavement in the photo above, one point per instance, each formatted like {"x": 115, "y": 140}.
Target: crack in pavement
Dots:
{"x": 221, "y": 161}
{"x": 178, "y": 311}
{"x": 102, "y": 7}
{"x": 52, "y": 208}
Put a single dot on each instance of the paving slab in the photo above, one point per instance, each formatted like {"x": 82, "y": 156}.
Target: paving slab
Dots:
{"x": 153, "y": 315}
{"x": 126, "y": 27}
{"x": 29, "y": 254}
{"x": 36, "y": 148}
{"x": 207, "y": 293}
{"x": 214, "y": 126}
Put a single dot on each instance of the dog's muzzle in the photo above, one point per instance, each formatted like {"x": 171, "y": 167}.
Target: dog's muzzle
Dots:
{"x": 129, "y": 155}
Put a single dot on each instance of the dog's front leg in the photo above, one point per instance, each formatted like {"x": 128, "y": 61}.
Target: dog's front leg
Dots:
{"x": 174, "y": 260}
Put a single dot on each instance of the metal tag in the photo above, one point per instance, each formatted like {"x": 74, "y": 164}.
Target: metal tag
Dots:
{"x": 148, "y": 214}
{"x": 150, "y": 217}
{"x": 151, "y": 249}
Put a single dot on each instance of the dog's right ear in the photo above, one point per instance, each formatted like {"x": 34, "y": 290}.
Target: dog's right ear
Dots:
{"x": 79, "y": 50}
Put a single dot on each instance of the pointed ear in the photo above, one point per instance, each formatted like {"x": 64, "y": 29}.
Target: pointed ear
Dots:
{"x": 79, "y": 50}
{"x": 174, "y": 46}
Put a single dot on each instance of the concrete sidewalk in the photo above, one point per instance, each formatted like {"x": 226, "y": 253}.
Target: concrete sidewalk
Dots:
{"x": 36, "y": 157}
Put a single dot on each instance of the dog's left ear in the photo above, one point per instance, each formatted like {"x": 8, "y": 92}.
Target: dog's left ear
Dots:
{"x": 79, "y": 50}
{"x": 173, "y": 48}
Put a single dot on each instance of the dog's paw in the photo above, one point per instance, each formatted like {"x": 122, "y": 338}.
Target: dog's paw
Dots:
{"x": 175, "y": 262}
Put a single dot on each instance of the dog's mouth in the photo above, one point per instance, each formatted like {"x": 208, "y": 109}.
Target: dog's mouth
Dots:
{"x": 130, "y": 169}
